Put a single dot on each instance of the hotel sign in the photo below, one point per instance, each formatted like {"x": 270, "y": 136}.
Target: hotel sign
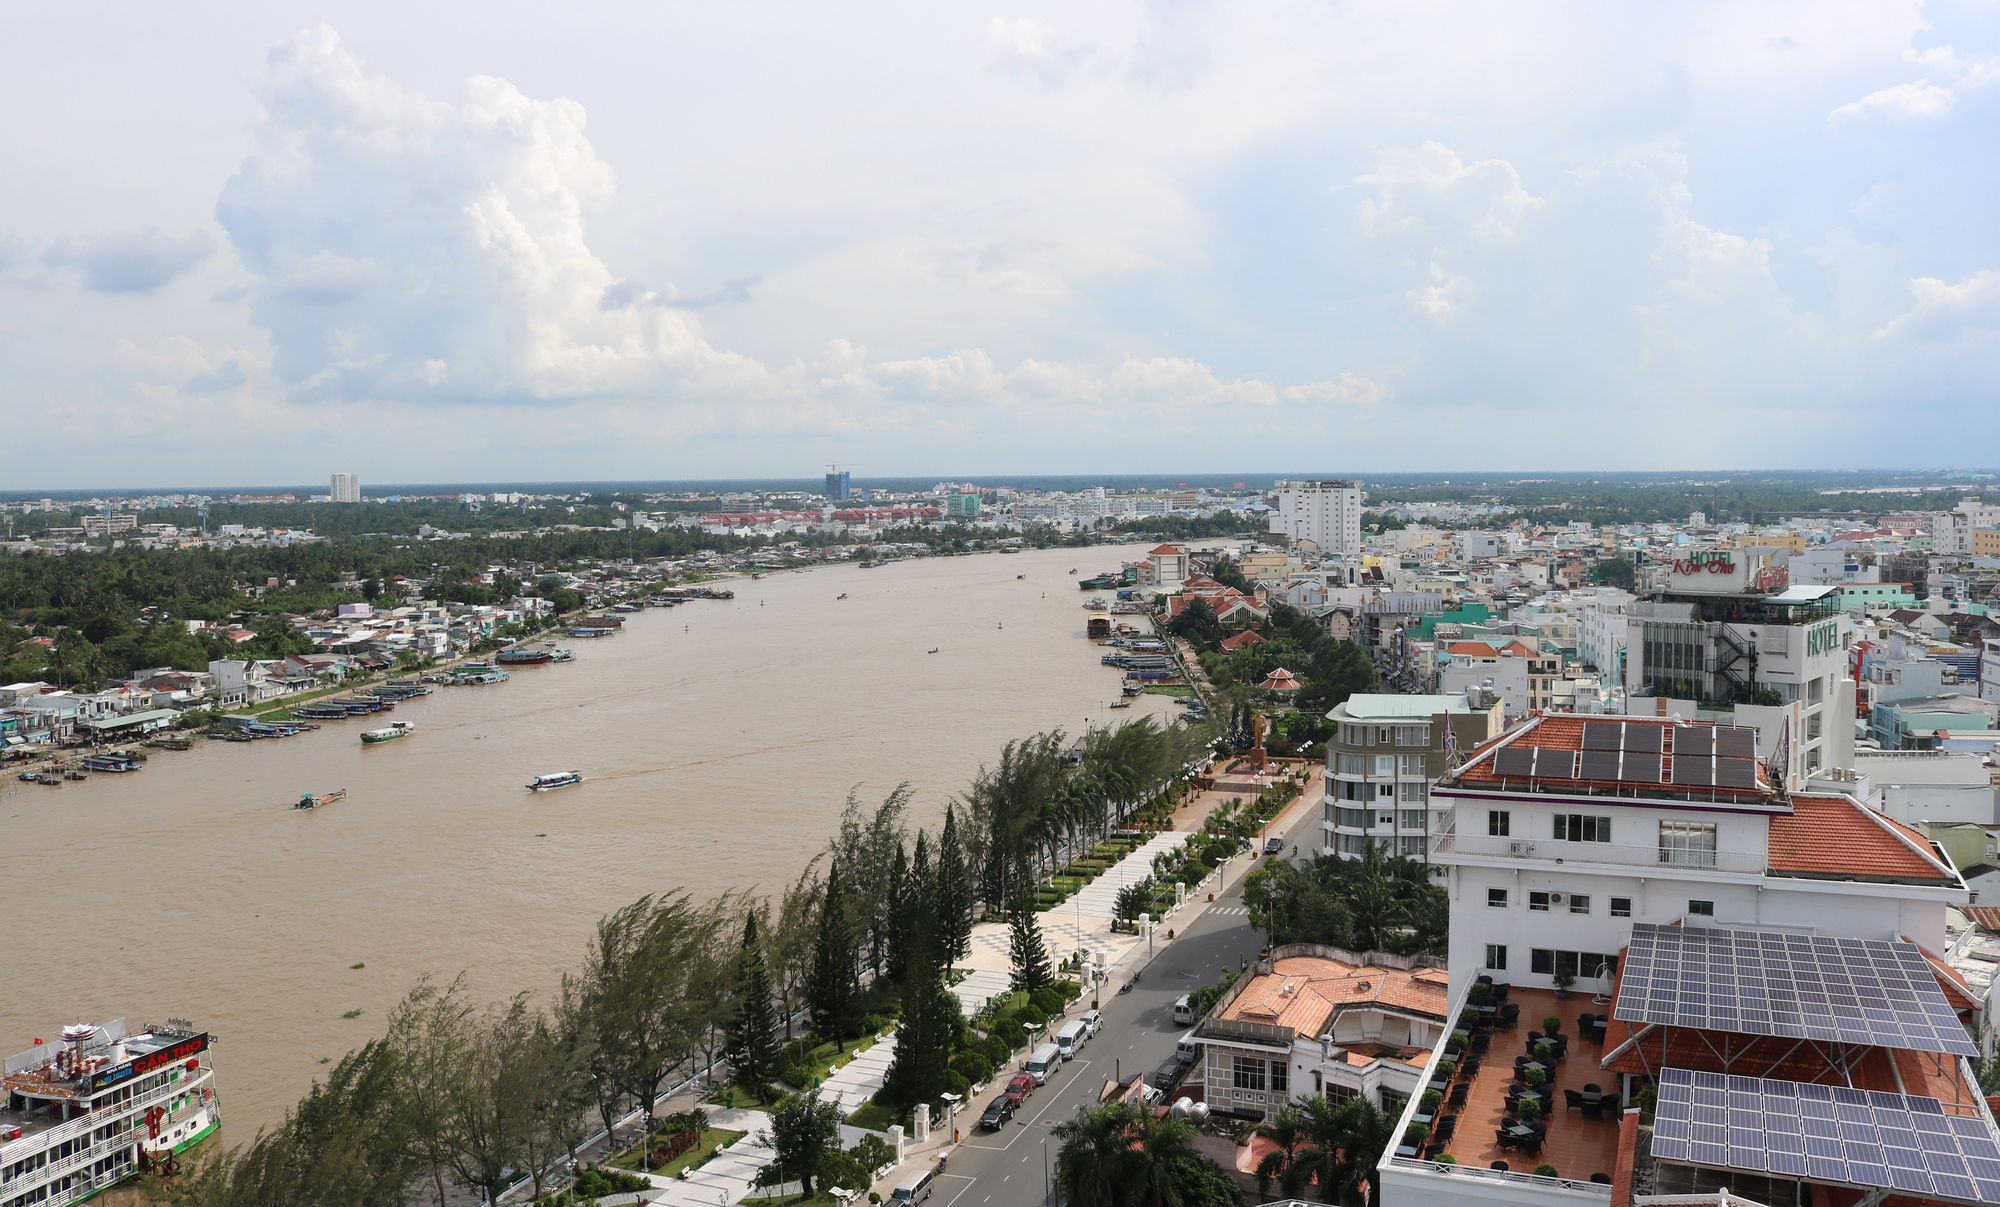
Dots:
{"x": 1709, "y": 561}
{"x": 1823, "y": 638}
{"x": 186, "y": 1049}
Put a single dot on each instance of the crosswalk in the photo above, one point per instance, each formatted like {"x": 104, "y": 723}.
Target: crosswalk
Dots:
{"x": 1233, "y": 910}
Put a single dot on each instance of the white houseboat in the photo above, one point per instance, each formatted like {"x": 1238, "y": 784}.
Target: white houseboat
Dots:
{"x": 100, "y": 1106}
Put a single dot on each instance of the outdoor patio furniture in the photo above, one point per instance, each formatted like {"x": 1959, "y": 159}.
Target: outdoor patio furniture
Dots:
{"x": 1499, "y": 1165}
{"x": 1509, "y": 1016}
{"x": 1501, "y": 989}
{"x": 1458, "y": 1093}
{"x": 1602, "y": 1179}
{"x": 1471, "y": 1066}
{"x": 1432, "y": 1150}
{"x": 1591, "y": 1087}
{"x": 1407, "y": 1150}
{"x": 1445, "y": 1128}
{"x": 1531, "y": 1145}
{"x": 1481, "y": 1040}
{"x": 1573, "y": 1101}
{"x": 1505, "y": 1138}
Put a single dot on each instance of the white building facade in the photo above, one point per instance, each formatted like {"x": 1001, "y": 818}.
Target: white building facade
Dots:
{"x": 1325, "y": 512}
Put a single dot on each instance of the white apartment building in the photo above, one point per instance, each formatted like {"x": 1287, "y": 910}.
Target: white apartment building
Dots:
{"x": 346, "y": 488}
{"x": 1326, "y": 512}
{"x": 1641, "y": 856}
{"x": 1385, "y": 753}
{"x": 1516, "y": 669}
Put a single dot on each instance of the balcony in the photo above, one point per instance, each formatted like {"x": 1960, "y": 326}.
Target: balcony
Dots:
{"x": 1651, "y": 858}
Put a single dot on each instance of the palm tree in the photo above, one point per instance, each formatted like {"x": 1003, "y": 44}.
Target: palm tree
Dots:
{"x": 1335, "y": 1155}
{"x": 1365, "y": 1132}
{"x": 1286, "y": 1129}
{"x": 1165, "y": 1145}
{"x": 1096, "y": 1149}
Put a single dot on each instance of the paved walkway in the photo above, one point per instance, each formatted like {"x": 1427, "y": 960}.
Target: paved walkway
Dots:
{"x": 854, "y": 1083}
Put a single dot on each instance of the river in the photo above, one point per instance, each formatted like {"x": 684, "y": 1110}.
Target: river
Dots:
{"x": 720, "y": 740}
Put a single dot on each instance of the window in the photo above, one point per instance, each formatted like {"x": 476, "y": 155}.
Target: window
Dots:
{"x": 1352, "y": 844}
{"x": 1497, "y": 822}
{"x": 1249, "y": 1073}
{"x": 1392, "y": 1102}
{"x": 1337, "y": 1093}
{"x": 1353, "y": 790}
{"x": 1545, "y": 961}
{"x": 1812, "y": 727}
{"x": 1385, "y": 764}
{"x": 1497, "y": 898}
{"x": 1579, "y": 903}
{"x": 1410, "y": 844}
{"x": 1621, "y": 907}
{"x": 1582, "y": 827}
{"x": 1413, "y": 735}
{"x": 1701, "y": 909}
{"x": 1413, "y": 792}
{"x": 1496, "y": 957}
{"x": 1385, "y": 791}
{"x": 1280, "y": 1076}
{"x": 1353, "y": 764}
{"x": 1813, "y": 691}
{"x": 1687, "y": 844}
{"x": 1413, "y": 819}
{"x": 1382, "y": 735}
{"x": 1413, "y": 764}
{"x": 1355, "y": 819}
{"x": 1538, "y": 901}
{"x": 1386, "y": 820}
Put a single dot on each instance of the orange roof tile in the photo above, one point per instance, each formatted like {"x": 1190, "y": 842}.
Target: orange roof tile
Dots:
{"x": 1473, "y": 649}
{"x": 1321, "y": 987}
{"x": 1986, "y": 917}
{"x": 1839, "y": 838}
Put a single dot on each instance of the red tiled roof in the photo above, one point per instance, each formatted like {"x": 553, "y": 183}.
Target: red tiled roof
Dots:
{"x": 1321, "y": 986}
{"x": 1474, "y": 649}
{"x": 1166, "y": 549}
{"x": 1986, "y": 917}
{"x": 1248, "y": 637}
{"x": 1836, "y": 836}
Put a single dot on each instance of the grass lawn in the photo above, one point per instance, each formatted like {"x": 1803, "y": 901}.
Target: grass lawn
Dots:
{"x": 820, "y": 1199}
{"x": 875, "y": 1117}
{"x": 740, "y": 1098}
{"x": 825, "y": 1058}
{"x": 711, "y": 1139}
{"x": 1170, "y": 689}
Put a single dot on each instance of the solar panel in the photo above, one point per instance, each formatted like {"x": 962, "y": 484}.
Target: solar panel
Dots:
{"x": 1600, "y": 765}
{"x": 1641, "y": 766}
{"x": 1735, "y": 773}
{"x": 1553, "y": 764}
{"x": 1601, "y": 735}
{"x": 1829, "y": 1134}
{"x": 1748, "y": 982}
{"x": 1693, "y": 770}
{"x": 1694, "y": 739}
{"x": 1514, "y": 762}
{"x": 1736, "y": 742}
{"x": 1643, "y": 737}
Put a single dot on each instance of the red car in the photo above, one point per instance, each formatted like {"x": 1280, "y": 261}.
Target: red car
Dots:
{"x": 1022, "y": 1086}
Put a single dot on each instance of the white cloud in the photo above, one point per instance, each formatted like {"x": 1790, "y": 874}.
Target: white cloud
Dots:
{"x": 1922, "y": 99}
{"x": 1942, "y": 310}
{"x": 136, "y": 261}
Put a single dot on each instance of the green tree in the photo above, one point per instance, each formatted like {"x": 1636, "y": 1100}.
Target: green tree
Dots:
{"x": 429, "y": 1031}
{"x": 1115, "y": 1156}
{"x": 1027, "y": 953}
{"x": 901, "y": 903}
{"x": 1133, "y": 901}
{"x": 833, "y": 983}
{"x": 803, "y": 1132}
{"x": 753, "y": 1044}
{"x": 1337, "y": 1156}
{"x": 953, "y": 895}
{"x": 930, "y": 1029}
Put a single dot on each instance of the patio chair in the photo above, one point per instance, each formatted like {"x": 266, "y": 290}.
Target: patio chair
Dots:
{"x": 1573, "y": 1100}
{"x": 1446, "y": 1126}
{"x": 1499, "y": 1165}
{"x": 1432, "y": 1150}
{"x": 1532, "y": 1145}
{"x": 1503, "y": 1139}
{"x": 1481, "y": 1039}
{"x": 1470, "y": 1067}
{"x": 1509, "y": 1016}
{"x": 1457, "y": 1097}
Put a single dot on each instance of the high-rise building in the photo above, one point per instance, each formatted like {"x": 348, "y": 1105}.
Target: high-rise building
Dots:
{"x": 838, "y": 485}
{"x": 1326, "y": 513}
{"x": 1384, "y": 754}
{"x": 346, "y": 488}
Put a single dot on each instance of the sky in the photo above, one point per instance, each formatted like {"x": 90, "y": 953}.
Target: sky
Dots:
{"x": 265, "y": 242}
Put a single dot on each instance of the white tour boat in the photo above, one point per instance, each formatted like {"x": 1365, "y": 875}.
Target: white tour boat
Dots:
{"x": 558, "y": 779}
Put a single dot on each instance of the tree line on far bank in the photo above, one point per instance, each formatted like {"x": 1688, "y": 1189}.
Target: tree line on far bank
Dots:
{"x": 457, "y": 1093}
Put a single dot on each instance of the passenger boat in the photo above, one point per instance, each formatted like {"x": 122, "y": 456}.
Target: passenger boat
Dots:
{"x": 1125, "y": 702}
{"x": 101, "y": 1106}
{"x": 116, "y": 764}
{"x": 559, "y": 779}
{"x": 521, "y": 657}
{"x": 556, "y": 655}
{"x": 483, "y": 675}
{"x": 589, "y": 631}
{"x": 308, "y": 800}
{"x": 395, "y": 729}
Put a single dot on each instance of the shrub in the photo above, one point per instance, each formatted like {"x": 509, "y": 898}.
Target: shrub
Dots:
{"x": 1031, "y": 1016}
{"x": 1468, "y": 1018}
{"x": 1445, "y": 1159}
{"x": 1552, "y": 1025}
{"x": 997, "y": 1050}
{"x": 1536, "y": 1075}
{"x": 1530, "y": 1110}
{"x": 1459, "y": 1039}
{"x": 1447, "y": 1067}
{"x": 1430, "y": 1101}
{"x": 1011, "y": 1031}
{"x": 955, "y": 1082}
{"x": 1069, "y": 989}
{"x": 1048, "y": 1000}
{"x": 972, "y": 1065}
{"x": 1546, "y": 1170}
{"x": 1415, "y": 1134}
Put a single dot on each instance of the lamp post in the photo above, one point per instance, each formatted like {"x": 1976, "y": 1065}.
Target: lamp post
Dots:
{"x": 951, "y": 1114}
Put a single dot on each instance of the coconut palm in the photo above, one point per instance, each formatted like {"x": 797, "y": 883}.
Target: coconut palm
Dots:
{"x": 1286, "y": 1129}
{"x": 1091, "y": 1162}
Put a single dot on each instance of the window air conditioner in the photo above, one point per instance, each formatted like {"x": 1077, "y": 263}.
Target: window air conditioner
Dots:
{"x": 1520, "y": 848}
{"x": 1555, "y": 898}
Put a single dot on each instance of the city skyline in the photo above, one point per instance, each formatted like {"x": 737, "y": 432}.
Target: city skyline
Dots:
{"x": 662, "y": 246}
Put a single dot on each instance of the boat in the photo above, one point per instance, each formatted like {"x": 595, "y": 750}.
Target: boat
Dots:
{"x": 556, "y": 655}
{"x": 627, "y": 608}
{"x": 131, "y": 1100}
{"x": 588, "y": 631}
{"x": 842, "y": 595}
{"x": 74, "y": 774}
{"x": 116, "y": 764}
{"x": 520, "y": 657}
{"x": 557, "y": 779}
{"x": 396, "y": 729}
{"x": 1126, "y": 702}
{"x": 308, "y": 800}
{"x": 1020, "y": 576}
{"x": 483, "y": 675}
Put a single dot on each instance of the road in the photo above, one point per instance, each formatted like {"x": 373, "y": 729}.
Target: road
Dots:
{"x": 1011, "y": 1167}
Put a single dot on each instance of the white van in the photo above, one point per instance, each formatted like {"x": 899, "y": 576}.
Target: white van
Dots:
{"x": 1070, "y": 1038}
{"x": 1184, "y": 1009}
{"x": 1093, "y": 1022}
{"x": 913, "y": 1189}
{"x": 1043, "y": 1061}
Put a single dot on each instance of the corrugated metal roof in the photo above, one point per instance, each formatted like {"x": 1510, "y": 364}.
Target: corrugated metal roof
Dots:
{"x": 1369, "y": 707}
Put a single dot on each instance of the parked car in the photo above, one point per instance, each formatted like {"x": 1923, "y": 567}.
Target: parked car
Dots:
{"x": 1022, "y": 1086}
{"x": 998, "y": 1112}
{"x": 1274, "y": 845}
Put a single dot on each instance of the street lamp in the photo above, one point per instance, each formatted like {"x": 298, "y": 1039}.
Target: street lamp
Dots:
{"x": 951, "y": 1114}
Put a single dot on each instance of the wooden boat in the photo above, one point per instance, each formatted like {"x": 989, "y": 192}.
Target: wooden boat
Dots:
{"x": 309, "y": 800}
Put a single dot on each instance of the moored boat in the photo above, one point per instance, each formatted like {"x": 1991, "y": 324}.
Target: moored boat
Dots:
{"x": 130, "y": 1100}
{"x": 396, "y": 729}
{"x": 115, "y": 764}
{"x": 557, "y": 779}
{"x": 522, "y": 657}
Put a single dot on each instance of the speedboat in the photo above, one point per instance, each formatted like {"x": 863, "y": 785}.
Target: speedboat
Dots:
{"x": 557, "y": 779}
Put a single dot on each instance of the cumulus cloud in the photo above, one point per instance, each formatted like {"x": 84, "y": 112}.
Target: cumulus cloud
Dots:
{"x": 1025, "y": 44}
{"x": 413, "y": 248}
{"x": 137, "y": 261}
{"x": 1942, "y": 310}
{"x": 1926, "y": 98}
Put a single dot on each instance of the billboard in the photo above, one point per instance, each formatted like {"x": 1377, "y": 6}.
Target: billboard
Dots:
{"x": 186, "y": 1049}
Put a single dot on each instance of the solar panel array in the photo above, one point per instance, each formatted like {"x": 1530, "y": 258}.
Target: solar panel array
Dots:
{"x": 1828, "y": 1134}
{"x": 1749, "y": 982}
{"x": 1602, "y": 735}
{"x": 1736, "y": 742}
{"x": 1644, "y": 737}
{"x": 1703, "y": 756}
